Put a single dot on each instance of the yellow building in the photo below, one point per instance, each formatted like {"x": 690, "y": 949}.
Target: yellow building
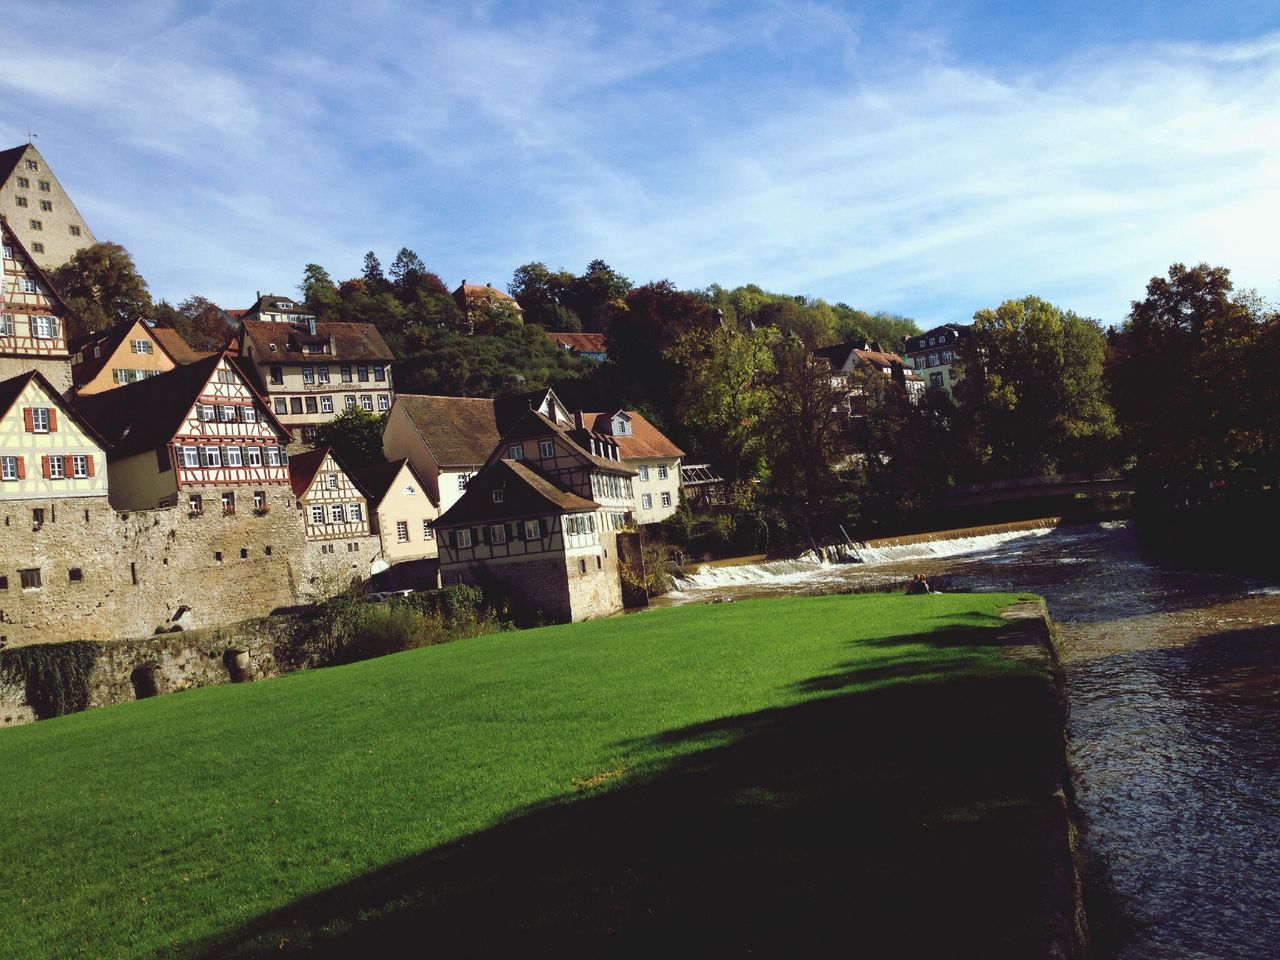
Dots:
{"x": 125, "y": 353}
{"x": 33, "y": 317}
{"x": 403, "y": 511}
{"x": 46, "y": 450}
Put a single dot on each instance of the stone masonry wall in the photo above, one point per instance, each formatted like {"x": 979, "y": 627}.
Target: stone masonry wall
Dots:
{"x": 142, "y": 569}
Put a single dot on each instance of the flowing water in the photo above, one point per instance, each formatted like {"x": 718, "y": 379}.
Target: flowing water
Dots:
{"x": 1173, "y": 680}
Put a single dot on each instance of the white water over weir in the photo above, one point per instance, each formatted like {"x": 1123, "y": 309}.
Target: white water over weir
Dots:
{"x": 812, "y": 567}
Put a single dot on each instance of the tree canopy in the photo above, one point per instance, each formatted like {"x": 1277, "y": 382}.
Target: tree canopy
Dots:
{"x": 102, "y": 287}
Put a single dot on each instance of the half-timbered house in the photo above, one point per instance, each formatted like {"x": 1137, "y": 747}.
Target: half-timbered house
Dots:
{"x": 33, "y": 317}
{"x": 341, "y": 545}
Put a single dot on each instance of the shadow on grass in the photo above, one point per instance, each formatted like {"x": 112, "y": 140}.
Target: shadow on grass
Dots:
{"x": 910, "y": 819}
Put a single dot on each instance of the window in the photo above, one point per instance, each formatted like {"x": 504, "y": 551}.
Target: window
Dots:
{"x": 336, "y": 513}
{"x": 259, "y": 499}
{"x": 37, "y": 248}
{"x": 384, "y": 402}
{"x": 206, "y": 413}
{"x": 20, "y": 201}
{"x": 646, "y": 501}
{"x": 282, "y": 405}
{"x": 462, "y": 480}
{"x": 379, "y": 372}
{"x": 9, "y": 468}
{"x": 349, "y": 401}
{"x": 322, "y": 374}
{"x": 248, "y": 414}
{"x": 190, "y": 456}
{"x": 933, "y": 359}
{"x": 46, "y": 206}
{"x": 308, "y": 375}
{"x": 662, "y": 471}
{"x": 30, "y": 579}
{"x": 46, "y": 327}
{"x": 498, "y": 534}
{"x": 37, "y": 517}
{"x": 39, "y": 419}
{"x": 8, "y": 252}
{"x": 366, "y": 402}
{"x": 55, "y": 468}
{"x": 75, "y": 231}
{"x": 582, "y": 565}
{"x": 295, "y": 404}
{"x": 35, "y": 224}
{"x": 212, "y": 456}
{"x": 273, "y": 456}
{"x": 6, "y": 325}
{"x": 546, "y": 449}
{"x": 234, "y": 457}
{"x": 464, "y": 538}
{"x": 666, "y": 499}
{"x": 226, "y": 414}
{"x": 195, "y": 503}
{"x": 79, "y": 466}
{"x": 345, "y": 372}
{"x": 228, "y": 503}
{"x": 515, "y": 452}
{"x": 947, "y": 356}
{"x": 533, "y": 529}
{"x": 253, "y": 456}
{"x": 497, "y": 496}
{"x": 277, "y": 375}
{"x": 644, "y": 472}
{"x": 24, "y": 183}
{"x": 362, "y": 373}
{"x": 402, "y": 531}
{"x": 427, "y": 532}
{"x": 317, "y": 514}
{"x": 44, "y": 186}
{"x": 32, "y": 165}
{"x": 326, "y": 404}
{"x": 312, "y": 406}
{"x": 355, "y": 513}
{"x": 26, "y": 285}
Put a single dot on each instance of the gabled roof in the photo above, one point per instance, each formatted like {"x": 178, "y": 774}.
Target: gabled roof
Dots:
{"x": 11, "y": 390}
{"x": 376, "y": 479}
{"x": 176, "y": 346}
{"x": 646, "y": 440}
{"x": 107, "y": 341}
{"x": 351, "y": 341}
{"x": 577, "y": 342}
{"x": 303, "y": 468}
{"x": 536, "y": 424}
{"x": 953, "y": 332}
{"x": 10, "y": 159}
{"x": 886, "y": 360}
{"x": 147, "y": 414}
{"x": 473, "y": 290}
{"x": 458, "y": 431}
{"x": 525, "y": 493}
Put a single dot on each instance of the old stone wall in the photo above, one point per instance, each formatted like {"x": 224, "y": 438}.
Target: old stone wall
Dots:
{"x": 325, "y": 574}
{"x": 146, "y": 569}
{"x": 536, "y": 589}
{"x": 57, "y": 372}
{"x": 596, "y": 591}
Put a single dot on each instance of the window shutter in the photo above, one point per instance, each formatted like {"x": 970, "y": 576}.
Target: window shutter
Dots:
{"x": 453, "y": 538}
{"x": 68, "y": 465}
{"x": 53, "y": 420}
{"x": 89, "y": 458}
{"x": 484, "y": 531}
{"x": 513, "y": 531}
{"x": 44, "y": 467}
{"x": 28, "y": 420}
{"x": 22, "y": 468}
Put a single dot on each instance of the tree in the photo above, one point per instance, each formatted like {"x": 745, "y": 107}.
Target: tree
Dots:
{"x": 374, "y": 280}
{"x": 407, "y": 272}
{"x": 1182, "y": 381}
{"x": 355, "y": 435}
{"x": 319, "y": 292}
{"x": 542, "y": 294}
{"x": 202, "y": 324}
{"x": 102, "y": 287}
{"x": 1031, "y": 397}
{"x": 597, "y": 295}
{"x": 722, "y": 394}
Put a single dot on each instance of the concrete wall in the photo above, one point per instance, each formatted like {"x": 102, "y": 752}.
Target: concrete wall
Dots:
{"x": 138, "y": 569}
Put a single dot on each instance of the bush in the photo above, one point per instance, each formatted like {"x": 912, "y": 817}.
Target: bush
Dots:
{"x": 55, "y": 675}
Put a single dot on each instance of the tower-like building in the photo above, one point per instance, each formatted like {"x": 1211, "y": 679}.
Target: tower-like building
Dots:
{"x": 38, "y": 210}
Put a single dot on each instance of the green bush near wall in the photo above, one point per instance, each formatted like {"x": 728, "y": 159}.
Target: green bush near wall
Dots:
{"x": 55, "y": 675}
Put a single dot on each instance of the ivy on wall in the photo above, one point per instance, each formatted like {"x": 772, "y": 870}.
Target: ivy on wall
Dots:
{"x": 55, "y": 675}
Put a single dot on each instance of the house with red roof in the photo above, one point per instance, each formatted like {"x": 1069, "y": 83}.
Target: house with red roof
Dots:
{"x": 648, "y": 451}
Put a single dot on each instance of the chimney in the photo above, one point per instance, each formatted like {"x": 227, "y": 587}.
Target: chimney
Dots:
{"x": 257, "y": 295}
{"x": 577, "y": 419}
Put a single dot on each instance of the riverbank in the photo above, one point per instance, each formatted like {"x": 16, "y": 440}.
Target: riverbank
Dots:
{"x": 807, "y": 775}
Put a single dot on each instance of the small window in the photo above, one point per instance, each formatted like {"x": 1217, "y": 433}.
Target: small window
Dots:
{"x": 267, "y": 550}
{"x": 37, "y": 248}
{"x": 30, "y": 579}
{"x": 582, "y": 565}
{"x": 464, "y": 538}
{"x": 356, "y": 513}
{"x": 366, "y": 402}
{"x": 75, "y": 575}
{"x": 646, "y": 501}
{"x": 277, "y": 375}
{"x": 45, "y": 186}
{"x": 546, "y": 449}
{"x": 35, "y": 224}
{"x": 349, "y": 401}
{"x": 37, "y": 517}
{"x": 402, "y": 531}
{"x": 253, "y": 456}
{"x": 462, "y": 480}
{"x": 322, "y": 374}
{"x": 282, "y": 405}
{"x": 244, "y": 553}
{"x": 4, "y": 583}
{"x": 497, "y": 496}
{"x": 379, "y": 372}
{"x": 217, "y": 556}
{"x": 326, "y": 404}
{"x": 226, "y": 414}
{"x": 317, "y": 514}
{"x": 331, "y": 481}
{"x": 39, "y": 419}
{"x": 46, "y": 206}
{"x": 75, "y": 231}
{"x": 362, "y": 373}
{"x": 295, "y": 404}
{"x": 19, "y": 201}
{"x": 428, "y": 533}
{"x": 346, "y": 372}
{"x": 644, "y": 471}
{"x": 515, "y": 452}
{"x": 24, "y": 183}
{"x": 666, "y": 499}
{"x": 228, "y": 503}
{"x": 235, "y": 458}
{"x": 195, "y": 503}
{"x": 259, "y": 499}
{"x": 32, "y": 165}
{"x": 533, "y": 529}
{"x": 308, "y": 375}
{"x": 498, "y": 534}
{"x": 336, "y": 513}
{"x": 662, "y": 472}
{"x": 384, "y": 402}
{"x": 312, "y": 406}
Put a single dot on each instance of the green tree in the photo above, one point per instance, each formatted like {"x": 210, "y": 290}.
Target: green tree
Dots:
{"x": 204, "y": 326}
{"x": 374, "y": 280}
{"x": 355, "y": 435}
{"x": 102, "y": 287}
{"x": 1032, "y": 397}
{"x": 805, "y": 425}
{"x": 319, "y": 292}
{"x": 542, "y": 295}
{"x": 597, "y": 296}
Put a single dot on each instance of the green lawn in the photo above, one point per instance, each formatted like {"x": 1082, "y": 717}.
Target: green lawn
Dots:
{"x": 787, "y": 773}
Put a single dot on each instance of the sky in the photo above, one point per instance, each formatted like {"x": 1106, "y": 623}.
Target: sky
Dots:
{"x": 927, "y": 159}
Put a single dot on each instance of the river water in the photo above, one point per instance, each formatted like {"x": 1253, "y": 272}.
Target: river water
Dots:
{"x": 1173, "y": 681}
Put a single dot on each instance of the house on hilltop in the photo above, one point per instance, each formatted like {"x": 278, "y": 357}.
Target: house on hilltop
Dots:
{"x": 480, "y": 303}
{"x": 935, "y": 354}
{"x": 865, "y": 357}
{"x": 589, "y": 346}
{"x": 42, "y": 212}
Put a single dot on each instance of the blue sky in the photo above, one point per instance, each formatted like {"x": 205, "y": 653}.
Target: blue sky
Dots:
{"x": 929, "y": 159}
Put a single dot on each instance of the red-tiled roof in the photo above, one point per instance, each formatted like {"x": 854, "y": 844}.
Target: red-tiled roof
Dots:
{"x": 303, "y": 468}
{"x": 176, "y": 347}
{"x": 646, "y": 440}
{"x": 525, "y": 493}
{"x": 350, "y": 341}
{"x": 577, "y": 342}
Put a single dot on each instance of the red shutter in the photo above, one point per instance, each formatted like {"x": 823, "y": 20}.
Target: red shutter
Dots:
{"x": 27, "y": 419}
{"x": 68, "y": 465}
{"x": 44, "y": 467}
{"x": 90, "y": 462}
{"x": 53, "y": 420}
{"x": 22, "y": 468}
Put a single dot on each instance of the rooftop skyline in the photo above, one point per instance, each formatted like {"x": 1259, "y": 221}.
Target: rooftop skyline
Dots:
{"x": 925, "y": 159}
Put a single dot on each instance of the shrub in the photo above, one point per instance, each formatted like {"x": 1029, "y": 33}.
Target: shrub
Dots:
{"x": 55, "y": 675}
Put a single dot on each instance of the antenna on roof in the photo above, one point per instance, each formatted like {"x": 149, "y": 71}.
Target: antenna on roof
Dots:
{"x": 31, "y": 136}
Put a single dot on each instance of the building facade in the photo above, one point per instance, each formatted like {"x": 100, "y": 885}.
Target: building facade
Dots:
{"x": 402, "y": 511}
{"x": 39, "y": 209}
{"x": 655, "y": 459}
{"x": 311, "y": 372}
{"x": 121, "y": 354}
{"x": 935, "y": 353}
{"x": 335, "y": 514}
{"x": 33, "y": 317}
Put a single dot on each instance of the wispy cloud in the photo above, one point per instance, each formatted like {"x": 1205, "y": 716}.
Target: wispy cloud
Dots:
{"x": 791, "y": 145}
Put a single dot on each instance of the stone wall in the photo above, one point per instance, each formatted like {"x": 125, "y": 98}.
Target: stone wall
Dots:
{"x": 597, "y": 591}
{"x": 146, "y": 569}
{"x": 57, "y": 372}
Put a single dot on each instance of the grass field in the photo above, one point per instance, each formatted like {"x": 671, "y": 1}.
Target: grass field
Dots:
{"x": 808, "y": 775}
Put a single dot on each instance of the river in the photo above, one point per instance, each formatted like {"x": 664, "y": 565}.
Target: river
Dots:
{"x": 1173, "y": 681}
